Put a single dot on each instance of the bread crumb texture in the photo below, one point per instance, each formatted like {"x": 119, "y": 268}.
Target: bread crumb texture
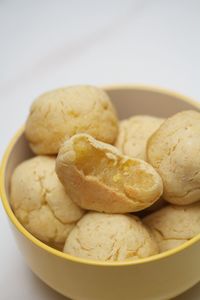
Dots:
{"x": 173, "y": 150}
{"x": 40, "y": 202}
{"x": 107, "y": 237}
{"x": 173, "y": 225}
{"x": 134, "y": 134}
{"x": 98, "y": 177}
{"x": 59, "y": 114}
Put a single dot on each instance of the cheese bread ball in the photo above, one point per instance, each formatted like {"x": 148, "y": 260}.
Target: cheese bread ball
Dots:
{"x": 57, "y": 115}
{"x": 134, "y": 134}
{"x": 173, "y": 150}
{"x": 98, "y": 177}
{"x": 40, "y": 202}
{"x": 106, "y": 237}
{"x": 174, "y": 225}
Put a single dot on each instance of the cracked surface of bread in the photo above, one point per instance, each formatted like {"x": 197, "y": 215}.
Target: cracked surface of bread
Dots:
{"x": 173, "y": 225}
{"x": 40, "y": 202}
{"x": 134, "y": 134}
{"x": 59, "y": 114}
{"x": 98, "y": 177}
{"x": 107, "y": 237}
{"x": 173, "y": 150}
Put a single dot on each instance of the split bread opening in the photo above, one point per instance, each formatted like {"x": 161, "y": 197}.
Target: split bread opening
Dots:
{"x": 98, "y": 177}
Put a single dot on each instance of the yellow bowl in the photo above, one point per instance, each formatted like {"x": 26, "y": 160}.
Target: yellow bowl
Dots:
{"x": 162, "y": 276}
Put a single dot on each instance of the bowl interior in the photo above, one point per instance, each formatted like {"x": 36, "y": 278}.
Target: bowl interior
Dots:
{"x": 128, "y": 101}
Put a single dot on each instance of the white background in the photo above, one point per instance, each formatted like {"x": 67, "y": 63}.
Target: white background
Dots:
{"x": 46, "y": 44}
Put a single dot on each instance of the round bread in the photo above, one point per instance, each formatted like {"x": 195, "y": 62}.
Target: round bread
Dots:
{"x": 106, "y": 237}
{"x": 98, "y": 177}
{"x": 134, "y": 134}
{"x": 173, "y": 150}
{"x": 40, "y": 202}
{"x": 174, "y": 225}
{"x": 57, "y": 115}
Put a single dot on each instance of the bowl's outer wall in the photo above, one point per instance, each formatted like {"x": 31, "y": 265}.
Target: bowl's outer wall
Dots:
{"x": 155, "y": 280}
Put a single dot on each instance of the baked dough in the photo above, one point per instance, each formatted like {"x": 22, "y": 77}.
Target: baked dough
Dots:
{"x": 40, "y": 202}
{"x": 134, "y": 134}
{"x": 106, "y": 237}
{"x": 173, "y": 150}
{"x": 57, "y": 115}
{"x": 174, "y": 225}
{"x": 98, "y": 177}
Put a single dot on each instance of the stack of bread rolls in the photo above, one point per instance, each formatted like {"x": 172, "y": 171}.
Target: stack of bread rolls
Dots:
{"x": 104, "y": 189}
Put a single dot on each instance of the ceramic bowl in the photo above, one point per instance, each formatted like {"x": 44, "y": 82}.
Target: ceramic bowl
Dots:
{"x": 162, "y": 276}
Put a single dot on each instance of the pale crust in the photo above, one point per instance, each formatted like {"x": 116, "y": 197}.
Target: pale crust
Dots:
{"x": 40, "y": 202}
{"x": 134, "y": 134}
{"x": 173, "y": 150}
{"x": 57, "y": 115}
{"x": 174, "y": 225}
{"x": 97, "y": 177}
{"x": 107, "y": 237}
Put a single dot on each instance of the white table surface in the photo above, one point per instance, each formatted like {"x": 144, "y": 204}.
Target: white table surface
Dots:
{"x": 47, "y": 44}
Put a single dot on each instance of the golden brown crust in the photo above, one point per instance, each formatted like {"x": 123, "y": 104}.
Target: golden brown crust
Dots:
{"x": 98, "y": 177}
{"x": 174, "y": 225}
{"x": 107, "y": 237}
{"x": 173, "y": 150}
{"x": 134, "y": 134}
{"x": 40, "y": 202}
{"x": 57, "y": 115}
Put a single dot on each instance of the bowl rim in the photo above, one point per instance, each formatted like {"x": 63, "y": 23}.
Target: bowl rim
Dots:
{"x": 69, "y": 257}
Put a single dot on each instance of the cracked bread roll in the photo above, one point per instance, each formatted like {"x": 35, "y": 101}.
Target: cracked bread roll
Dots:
{"x": 40, "y": 202}
{"x": 98, "y": 177}
{"x": 134, "y": 134}
{"x": 59, "y": 114}
{"x": 173, "y": 225}
{"x": 106, "y": 237}
{"x": 173, "y": 150}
